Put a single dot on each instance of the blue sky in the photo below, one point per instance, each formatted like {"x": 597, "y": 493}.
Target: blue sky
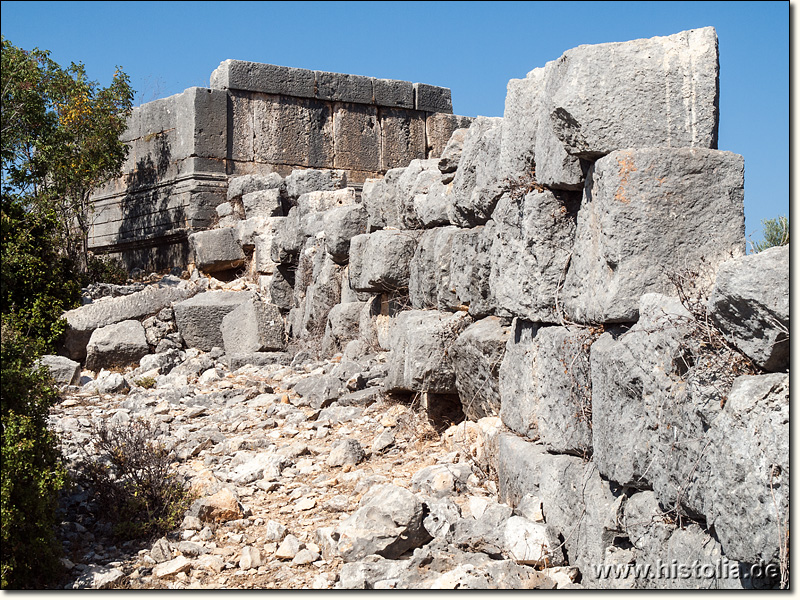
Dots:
{"x": 474, "y": 48}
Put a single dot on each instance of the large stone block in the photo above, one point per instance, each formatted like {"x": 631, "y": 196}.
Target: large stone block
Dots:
{"x": 531, "y": 251}
{"x": 380, "y": 261}
{"x": 293, "y": 131}
{"x": 451, "y": 155}
{"x": 391, "y": 92}
{"x": 432, "y": 208}
{"x": 518, "y": 463}
{"x": 439, "y": 128}
{"x": 199, "y": 318}
{"x": 288, "y": 240}
{"x": 216, "y": 249}
{"x": 253, "y": 326}
{"x": 356, "y": 137}
{"x": 341, "y": 87}
{"x": 202, "y": 123}
{"x": 342, "y": 224}
{"x": 430, "y": 270}
{"x": 476, "y": 188}
{"x": 260, "y": 77}
{"x": 593, "y": 109}
{"x": 420, "y": 341}
{"x": 240, "y": 131}
{"x": 263, "y": 203}
{"x": 239, "y": 186}
{"x": 62, "y": 369}
{"x": 648, "y": 212}
{"x": 470, "y": 268}
{"x": 342, "y": 326}
{"x": 432, "y": 98}
{"x": 302, "y": 181}
{"x": 750, "y": 305}
{"x": 476, "y": 356}
{"x": 519, "y": 380}
{"x": 402, "y": 137}
{"x": 116, "y": 345}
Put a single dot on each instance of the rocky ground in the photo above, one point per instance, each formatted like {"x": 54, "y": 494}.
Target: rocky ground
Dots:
{"x": 364, "y": 491}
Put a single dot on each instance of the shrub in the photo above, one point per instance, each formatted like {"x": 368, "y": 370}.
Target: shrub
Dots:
{"x": 32, "y": 471}
{"x": 133, "y": 480}
{"x": 776, "y": 233}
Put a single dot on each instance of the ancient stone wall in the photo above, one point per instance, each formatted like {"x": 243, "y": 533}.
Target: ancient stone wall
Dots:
{"x": 256, "y": 118}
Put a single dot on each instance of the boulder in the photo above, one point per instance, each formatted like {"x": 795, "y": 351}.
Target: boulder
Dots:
{"x": 750, "y": 305}
{"x": 63, "y": 370}
{"x": 519, "y": 380}
{"x": 429, "y": 279}
{"x": 199, "y": 318}
{"x": 262, "y": 203}
{"x": 646, "y": 213}
{"x": 531, "y": 251}
{"x": 302, "y": 181}
{"x": 432, "y": 207}
{"x": 219, "y": 507}
{"x": 346, "y": 452}
{"x": 379, "y": 198}
{"x": 246, "y": 184}
{"x": 341, "y": 225}
{"x": 380, "y": 261}
{"x": 518, "y": 463}
{"x": 388, "y": 522}
{"x": 470, "y": 267}
{"x": 342, "y": 326}
{"x": 253, "y": 326}
{"x": 216, "y": 249}
{"x": 476, "y": 356}
{"x": 116, "y": 345}
{"x": 451, "y": 155}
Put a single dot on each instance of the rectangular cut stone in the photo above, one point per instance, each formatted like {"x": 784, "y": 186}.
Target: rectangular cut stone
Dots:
{"x": 293, "y": 131}
{"x": 202, "y": 123}
{"x": 356, "y": 137}
{"x": 432, "y": 98}
{"x": 260, "y": 77}
{"x": 645, "y": 213}
{"x": 438, "y": 129}
{"x": 340, "y": 87}
{"x": 240, "y": 134}
{"x": 393, "y": 93}
{"x": 402, "y": 137}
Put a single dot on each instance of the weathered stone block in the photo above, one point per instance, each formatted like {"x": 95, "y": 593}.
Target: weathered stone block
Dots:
{"x": 430, "y": 270}
{"x": 476, "y": 356}
{"x": 239, "y": 186}
{"x": 432, "y": 208}
{"x": 470, "y": 268}
{"x": 356, "y": 137}
{"x": 62, "y": 369}
{"x": 287, "y": 241}
{"x": 216, "y": 249}
{"x": 293, "y": 131}
{"x": 343, "y": 223}
{"x": 260, "y": 77}
{"x": 750, "y": 305}
{"x": 380, "y": 261}
{"x": 116, "y": 345}
{"x": 391, "y": 92}
{"x": 253, "y": 326}
{"x": 432, "y": 98}
{"x": 240, "y": 132}
{"x": 402, "y": 137}
{"x": 439, "y": 128}
{"x": 341, "y": 87}
{"x": 519, "y": 380}
{"x": 302, "y": 181}
{"x": 342, "y": 326}
{"x": 202, "y": 122}
{"x": 451, "y": 154}
{"x": 263, "y": 203}
{"x": 518, "y": 463}
{"x": 648, "y": 212}
{"x": 199, "y": 318}
{"x": 380, "y": 198}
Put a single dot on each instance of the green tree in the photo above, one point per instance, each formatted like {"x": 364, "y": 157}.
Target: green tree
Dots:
{"x": 60, "y": 139}
{"x": 776, "y": 233}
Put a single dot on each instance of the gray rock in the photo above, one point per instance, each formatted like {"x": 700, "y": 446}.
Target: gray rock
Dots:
{"x": 342, "y": 326}
{"x": 519, "y": 380}
{"x": 163, "y": 361}
{"x": 750, "y": 305}
{"x": 470, "y": 267}
{"x": 246, "y": 184}
{"x": 199, "y": 318}
{"x": 341, "y": 225}
{"x": 451, "y": 155}
{"x": 319, "y": 391}
{"x": 119, "y": 344}
{"x": 429, "y": 281}
{"x": 442, "y": 515}
{"x": 346, "y": 452}
{"x": 320, "y": 297}
{"x": 484, "y": 534}
{"x": 253, "y": 326}
{"x": 594, "y": 111}
{"x": 161, "y": 551}
{"x": 476, "y": 189}
{"x": 432, "y": 208}
{"x": 388, "y": 522}
{"x": 98, "y": 578}
{"x": 287, "y": 239}
{"x": 380, "y": 261}
{"x": 256, "y": 359}
{"x": 531, "y": 252}
{"x": 476, "y": 356}
{"x": 365, "y": 574}
{"x": 263, "y": 203}
{"x": 281, "y": 292}
{"x": 379, "y": 198}
{"x": 415, "y": 180}
{"x": 530, "y": 543}
{"x": 518, "y": 463}
{"x": 420, "y": 342}
{"x": 216, "y": 249}
{"x": 302, "y": 181}
{"x": 62, "y": 369}
{"x": 431, "y": 98}
{"x": 110, "y": 383}
{"x": 441, "y": 480}
{"x": 644, "y": 214}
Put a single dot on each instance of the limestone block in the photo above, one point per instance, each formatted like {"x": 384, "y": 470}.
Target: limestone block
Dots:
{"x": 420, "y": 341}
{"x": 519, "y": 380}
{"x": 380, "y": 198}
{"x": 63, "y": 370}
{"x": 470, "y": 268}
{"x": 402, "y": 137}
{"x": 343, "y": 223}
{"x": 216, "y": 249}
{"x": 531, "y": 251}
{"x": 117, "y": 345}
{"x": 202, "y": 122}
{"x": 674, "y": 102}
{"x": 432, "y": 98}
{"x": 380, "y": 261}
{"x": 248, "y": 232}
{"x": 260, "y": 77}
{"x": 476, "y": 188}
{"x": 321, "y": 295}
{"x": 240, "y": 133}
{"x": 645, "y": 213}
{"x": 431, "y": 208}
{"x": 293, "y": 131}
{"x": 476, "y": 356}
{"x": 280, "y": 288}
{"x": 750, "y": 305}
{"x": 157, "y": 116}
{"x": 519, "y": 467}
{"x": 439, "y": 127}
{"x": 302, "y": 181}
{"x": 341, "y": 87}
{"x": 262, "y": 253}
{"x": 323, "y": 201}
{"x": 287, "y": 242}
{"x": 253, "y": 326}
{"x": 416, "y": 179}
{"x": 451, "y": 154}
{"x": 199, "y": 318}
{"x": 391, "y": 92}
{"x": 430, "y": 270}
{"x": 263, "y": 203}
{"x": 356, "y": 137}
{"x": 239, "y": 186}
{"x": 342, "y": 326}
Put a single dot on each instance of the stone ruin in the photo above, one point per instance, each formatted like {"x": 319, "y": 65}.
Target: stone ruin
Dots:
{"x": 518, "y": 271}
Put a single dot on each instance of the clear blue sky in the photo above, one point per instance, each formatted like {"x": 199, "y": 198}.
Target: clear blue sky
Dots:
{"x": 474, "y": 48}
